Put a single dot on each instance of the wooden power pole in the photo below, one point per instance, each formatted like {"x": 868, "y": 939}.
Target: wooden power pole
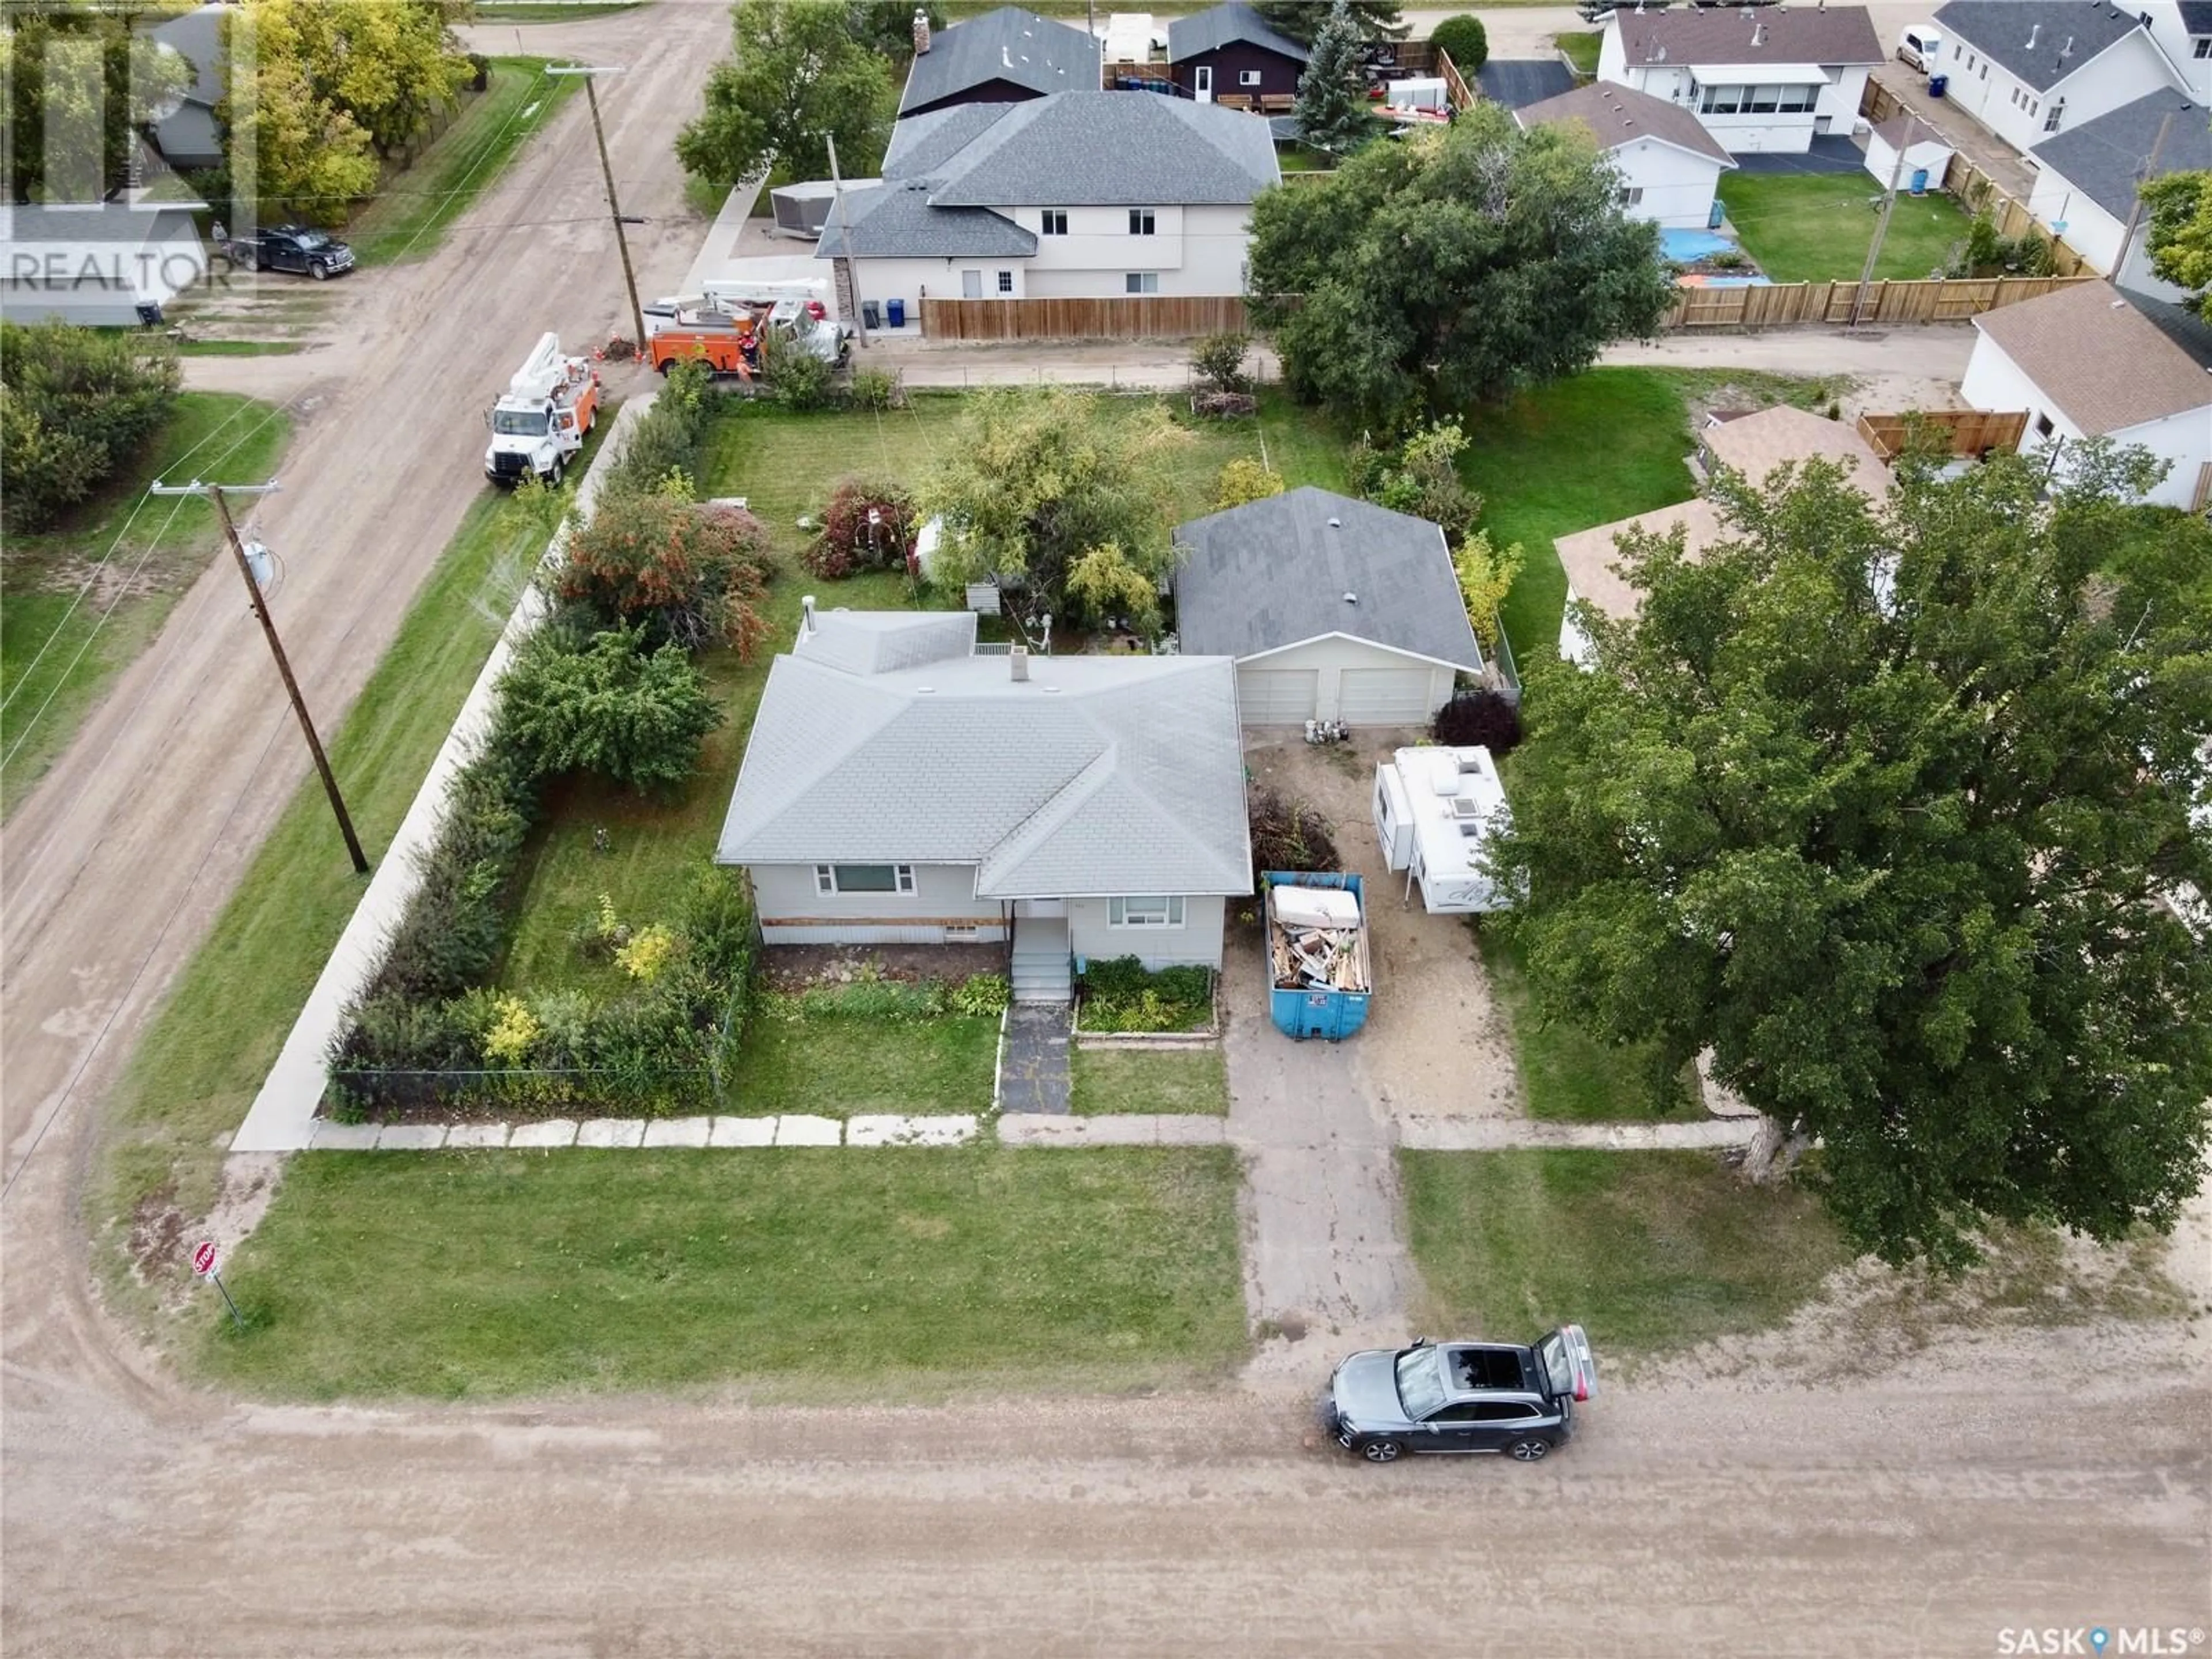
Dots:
{"x": 215, "y": 494}
{"x": 614, "y": 206}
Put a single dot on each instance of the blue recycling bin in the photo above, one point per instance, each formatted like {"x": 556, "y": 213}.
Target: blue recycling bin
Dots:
{"x": 1938, "y": 85}
{"x": 896, "y": 310}
{"x": 1720, "y": 212}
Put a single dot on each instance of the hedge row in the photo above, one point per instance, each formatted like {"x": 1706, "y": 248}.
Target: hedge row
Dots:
{"x": 428, "y": 1035}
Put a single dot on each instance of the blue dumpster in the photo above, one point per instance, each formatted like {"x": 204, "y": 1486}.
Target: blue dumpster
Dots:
{"x": 1938, "y": 85}
{"x": 896, "y": 310}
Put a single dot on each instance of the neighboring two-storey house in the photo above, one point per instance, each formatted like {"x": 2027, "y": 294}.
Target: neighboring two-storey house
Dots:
{"x": 2086, "y": 192}
{"x": 1078, "y": 195}
{"x": 2027, "y": 69}
{"x": 1774, "y": 78}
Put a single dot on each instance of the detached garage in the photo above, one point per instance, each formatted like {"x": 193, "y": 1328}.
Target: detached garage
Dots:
{"x": 1334, "y": 609}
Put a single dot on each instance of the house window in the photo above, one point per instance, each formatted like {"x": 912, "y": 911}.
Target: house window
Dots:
{"x": 2043, "y": 426}
{"x": 830, "y": 878}
{"x": 1970, "y": 62}
{"x": 1159, "y": 910}
{"x": 1005, "y": 282}
{"x": 1630, "y": 195}
{"x": 1140, "y": 221}
{"x": 1141, "y": 281}
{"x": 1055, "y": 221}
{"x": 1248, "y": 78}
{"x": 2058, "y": 112}
{"x": 2202, "y": 47}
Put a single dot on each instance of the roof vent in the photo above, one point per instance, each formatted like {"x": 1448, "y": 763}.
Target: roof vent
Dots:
{"x": 2066, "y": 51}
{"x": 806, "y": 615}
{"x": 2034, "y": 35}
{"x": 1352, "y": 598}
{"x": 1336, "y": 524}
{"x": 920, "y": 31}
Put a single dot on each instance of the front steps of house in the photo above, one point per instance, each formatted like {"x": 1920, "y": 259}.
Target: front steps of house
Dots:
{"x": 1043, "y": 969}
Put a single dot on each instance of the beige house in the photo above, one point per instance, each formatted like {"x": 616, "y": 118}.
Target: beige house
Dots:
{"x": 1753, "y": 445}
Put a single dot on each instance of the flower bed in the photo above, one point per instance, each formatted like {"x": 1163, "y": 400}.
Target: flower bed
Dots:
{"x": 1120, "y": 1000}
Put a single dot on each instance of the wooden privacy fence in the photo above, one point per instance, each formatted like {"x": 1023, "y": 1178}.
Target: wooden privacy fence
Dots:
{"x": 1968, "y": 431}
{"x": 1976, "y": 189}
{"x": 1138, "y": 317}
{"x": 1800, "y": 305}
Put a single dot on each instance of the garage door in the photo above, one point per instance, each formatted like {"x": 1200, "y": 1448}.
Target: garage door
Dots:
{"x": 1276, "y": 696}
{"x": 1384, "y": 696}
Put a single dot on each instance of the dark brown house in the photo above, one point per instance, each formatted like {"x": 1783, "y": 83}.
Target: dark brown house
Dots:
{"x": 1003, "y": 57}
{"x": 1229, "y": 52}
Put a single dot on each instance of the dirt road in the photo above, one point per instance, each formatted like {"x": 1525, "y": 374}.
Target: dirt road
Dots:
{"x": 1982, "y": 1488}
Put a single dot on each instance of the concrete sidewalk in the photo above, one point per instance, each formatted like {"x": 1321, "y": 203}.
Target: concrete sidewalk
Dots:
{"x": 1474, "y": 1135}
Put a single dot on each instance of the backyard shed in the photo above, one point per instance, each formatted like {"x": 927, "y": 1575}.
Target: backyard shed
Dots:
{"x": 1926, "y": 157}
{"x": 1334, "y": 609}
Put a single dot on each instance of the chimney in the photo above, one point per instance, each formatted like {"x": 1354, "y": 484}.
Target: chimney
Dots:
{"x": 1017, "y": 660}
{"x": 806, "y": 615}
{"x": 2033, "y": 34}
{"x": 920, "y": 31}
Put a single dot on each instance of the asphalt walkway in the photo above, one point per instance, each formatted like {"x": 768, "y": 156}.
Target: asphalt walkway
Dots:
{"x": 1033, "y": 1072}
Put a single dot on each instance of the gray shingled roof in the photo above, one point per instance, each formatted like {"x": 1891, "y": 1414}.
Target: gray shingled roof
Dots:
{"x": 1006, "y": 45}
{"x": 2102, "y": 157}
{"x": 2196, "y": 16}
{"x": 1518, "y": 82}
{"x": 1098, "y": 776}
{"x": 1275, "y": 573}
{"x": 1112, "y": 149}
{"x": 2001, "y": 29}
{"x": 921, "y": 145}
{"x": 196, "y": 37}
{"x": 894, "y": 221}
{"x": 1219, "y": 26}
{"x": 1620, "y": 115}
{"x": 1786, "y": 34}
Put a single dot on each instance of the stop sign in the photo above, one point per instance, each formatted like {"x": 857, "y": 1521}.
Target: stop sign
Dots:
{"x": 203, "y": 1257}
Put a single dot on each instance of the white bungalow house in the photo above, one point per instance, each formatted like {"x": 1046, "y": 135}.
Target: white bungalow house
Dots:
{"x": 898, "y": 788}
{"x": 1076, "y": 195}
{"x": 2027, "y": 69}
{"x": 1772, "y": 79}
{"x": 2086, "y": 192}
{"x": 1333, "y": 609}
{"x": 2089, "y": 362}
{"x": 1670, "y": 165}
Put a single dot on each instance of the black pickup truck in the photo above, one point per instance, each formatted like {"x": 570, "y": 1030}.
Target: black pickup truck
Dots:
{"x": 291, "y": 247}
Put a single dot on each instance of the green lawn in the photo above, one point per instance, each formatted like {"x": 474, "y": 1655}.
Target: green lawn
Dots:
{"x": 61, "y": 642}
{"x": 1582, "y": 48}
{"x": 838, "y": 1066}
{"x": 1816, "y": 228}
{"x": 413, "y": 210}
{"x": 1565, "y": 457}
{"x": 1567, "y": 1074}
{"x": 1193, "y": 1080}
{"x": 206, "y": 1051}
{"x": 831, "y": 1273}
{"x": 238, "y": 348}
{"x": 1651, "y": 1251}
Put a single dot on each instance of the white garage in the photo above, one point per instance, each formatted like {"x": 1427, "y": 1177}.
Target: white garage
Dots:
{"x": 1335, "y": 609}
{"x": 1276, "y": 696}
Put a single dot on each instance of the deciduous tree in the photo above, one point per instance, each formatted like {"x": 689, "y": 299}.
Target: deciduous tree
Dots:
{"x": 74, "y": 405}
{"x": 2180, "y": 234}
{"x": 83, "y": 78}
{"x": 609, "y": 705}
{"x": 1034, "y": 482}
{"x": 1450, "y": 269}
{"x": 798, "y": 77}
{"x": 1884, "y": 806}
{"x": 1464, "y": 40}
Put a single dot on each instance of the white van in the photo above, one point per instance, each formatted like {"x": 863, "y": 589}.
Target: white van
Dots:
{"x": 1919, "y": 47}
